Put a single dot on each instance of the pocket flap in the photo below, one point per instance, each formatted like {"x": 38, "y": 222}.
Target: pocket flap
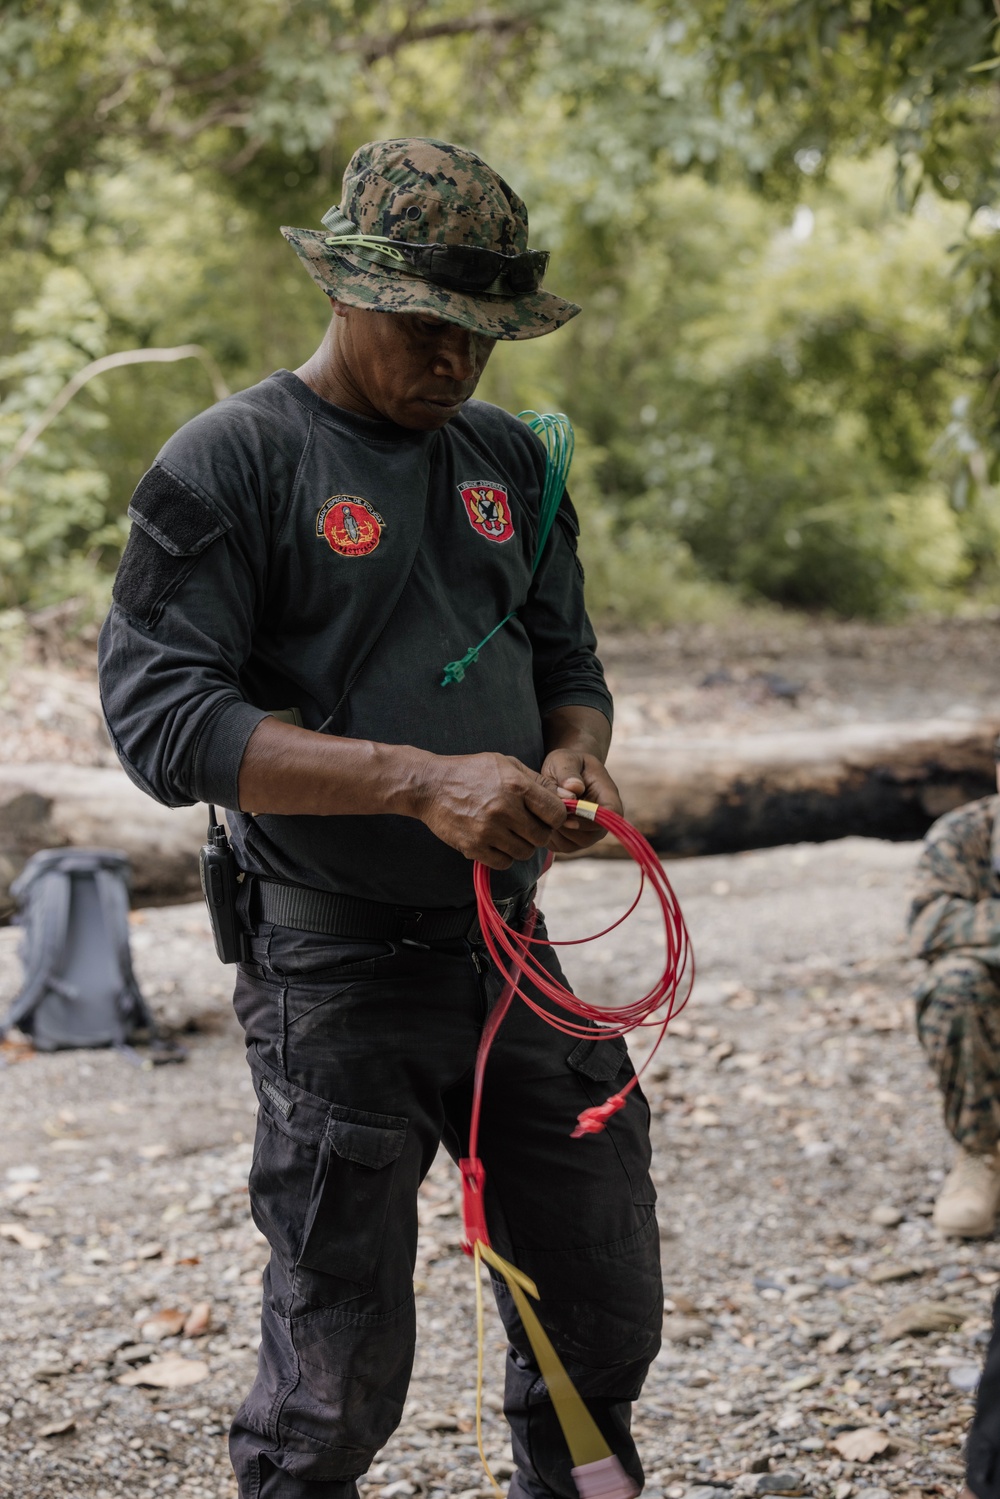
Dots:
{"x": 369, "y": 1145}
{"x": 599, "y": 1060}
{"x": 367, "y": 1139}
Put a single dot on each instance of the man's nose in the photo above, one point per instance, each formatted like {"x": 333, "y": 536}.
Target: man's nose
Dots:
{"x": 456, "y": 354}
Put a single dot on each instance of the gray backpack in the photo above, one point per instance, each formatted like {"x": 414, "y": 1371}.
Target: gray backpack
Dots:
{"x": 79, "y": 988}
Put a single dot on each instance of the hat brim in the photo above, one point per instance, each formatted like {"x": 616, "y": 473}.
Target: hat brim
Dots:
{"x": 360, "y": 284}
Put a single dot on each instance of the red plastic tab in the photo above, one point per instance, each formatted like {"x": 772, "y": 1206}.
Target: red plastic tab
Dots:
{"x": 473, "y": 1203}
{"x": 592, "y": 1121}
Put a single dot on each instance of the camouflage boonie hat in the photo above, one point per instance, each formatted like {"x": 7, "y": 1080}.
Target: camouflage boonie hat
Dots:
{"x": 425, "y": 192}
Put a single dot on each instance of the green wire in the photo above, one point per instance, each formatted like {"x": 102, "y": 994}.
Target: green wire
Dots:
{"x": 556, "y": 431}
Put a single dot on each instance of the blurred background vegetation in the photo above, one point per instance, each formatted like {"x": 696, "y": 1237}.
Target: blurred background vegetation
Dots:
{"x": 781, "y": 216}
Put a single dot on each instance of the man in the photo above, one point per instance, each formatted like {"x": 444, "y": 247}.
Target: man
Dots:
{"x": 305, "y": 559}
{"x": 955, "y": 926}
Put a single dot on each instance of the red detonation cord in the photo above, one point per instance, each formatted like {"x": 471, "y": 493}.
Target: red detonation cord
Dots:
{"x": 512, "y": 953}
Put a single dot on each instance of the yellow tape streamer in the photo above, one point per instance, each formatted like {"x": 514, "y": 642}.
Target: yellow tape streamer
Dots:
{"x": 583, "y": 1437}
{"x": 480, "y": 1347}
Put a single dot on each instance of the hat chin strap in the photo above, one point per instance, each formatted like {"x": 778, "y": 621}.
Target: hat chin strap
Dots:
{"x": 378, "y": 243}
{"x": 348, "y": 234}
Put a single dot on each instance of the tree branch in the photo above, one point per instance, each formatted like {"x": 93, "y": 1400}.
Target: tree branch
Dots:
{"x": 33, "y": 432}
{"x": 372, "y": 48}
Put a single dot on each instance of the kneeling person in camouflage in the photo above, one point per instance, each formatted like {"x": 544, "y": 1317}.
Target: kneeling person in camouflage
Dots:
{"x": 954, "y": 925}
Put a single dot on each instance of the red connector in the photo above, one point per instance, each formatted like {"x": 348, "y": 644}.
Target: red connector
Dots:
{"x": 592, "y": 1121}
{"x": 473, "y": 1203}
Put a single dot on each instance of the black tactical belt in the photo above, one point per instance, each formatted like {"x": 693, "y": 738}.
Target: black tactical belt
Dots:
{"x": 308, "y": 910}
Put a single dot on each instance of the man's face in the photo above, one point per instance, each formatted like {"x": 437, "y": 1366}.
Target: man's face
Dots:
{"x": 413, "y": 370}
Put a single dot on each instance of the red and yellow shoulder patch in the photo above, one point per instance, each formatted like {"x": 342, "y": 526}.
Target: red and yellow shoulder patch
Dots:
{"x": 488, "y": 508}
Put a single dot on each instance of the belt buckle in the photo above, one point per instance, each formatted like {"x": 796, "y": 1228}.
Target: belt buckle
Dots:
{"x": 409, "y": 921}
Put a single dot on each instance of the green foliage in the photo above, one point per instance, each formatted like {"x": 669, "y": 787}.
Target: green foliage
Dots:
{"x": 825, "y": 81}
{"x": 783, "y": 385}
{"x": 54, "y": 511}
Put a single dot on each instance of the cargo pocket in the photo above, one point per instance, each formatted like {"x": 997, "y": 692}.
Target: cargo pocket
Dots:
{"x": 601, "y": 1061}
{"x": 320, "y": 1187}
{"x": 171, "y": 527}
{"x": 598, "y": 1064}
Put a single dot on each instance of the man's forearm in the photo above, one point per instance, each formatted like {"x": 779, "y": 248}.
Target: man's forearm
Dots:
{"x": 577, "y": 728}
{"x": 288, "y": 770}
{"x": 486, "y": 806}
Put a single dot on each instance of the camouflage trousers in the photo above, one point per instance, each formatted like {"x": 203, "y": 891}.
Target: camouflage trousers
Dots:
{"x": 958, "y": 1022}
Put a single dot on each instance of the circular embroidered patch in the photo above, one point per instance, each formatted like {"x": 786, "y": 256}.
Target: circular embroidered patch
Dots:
{"x": 351, "y": 526}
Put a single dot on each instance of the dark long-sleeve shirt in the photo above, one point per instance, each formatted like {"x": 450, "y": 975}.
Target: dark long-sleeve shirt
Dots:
{"x": 956, "y": 898}
{"x": 289, "y": 556}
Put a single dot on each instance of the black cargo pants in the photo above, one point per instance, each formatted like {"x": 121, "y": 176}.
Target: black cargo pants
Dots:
{"x": 362, "y": 1056}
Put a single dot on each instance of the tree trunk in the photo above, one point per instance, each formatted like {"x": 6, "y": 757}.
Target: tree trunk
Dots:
{"x": 688, "y": 796}
{"x": 713, "y": 796}
{"x": 59, "y": 806}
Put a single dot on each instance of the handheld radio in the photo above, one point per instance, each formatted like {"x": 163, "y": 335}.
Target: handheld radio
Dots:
{"x": 220, "y": 877}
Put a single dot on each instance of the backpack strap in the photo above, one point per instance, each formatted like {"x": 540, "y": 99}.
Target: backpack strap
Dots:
{"x": 556, "y": 431}
{"x": 45, "y": 930}
{"x": 113, "y": 896}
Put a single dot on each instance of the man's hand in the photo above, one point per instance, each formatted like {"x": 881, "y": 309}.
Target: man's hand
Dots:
{"x": 585, "y": 777}
{"x": 576, "y": 743}
{"x": 490, "y": 807}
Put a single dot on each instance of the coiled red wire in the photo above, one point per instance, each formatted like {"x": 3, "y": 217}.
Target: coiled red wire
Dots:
{"x": 513, "y": 954}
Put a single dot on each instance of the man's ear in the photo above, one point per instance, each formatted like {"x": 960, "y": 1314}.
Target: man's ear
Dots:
{"x": 339, "y": 309}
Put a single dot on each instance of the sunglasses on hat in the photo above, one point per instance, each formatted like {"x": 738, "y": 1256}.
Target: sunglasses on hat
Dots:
{"x": 467, "y": 268}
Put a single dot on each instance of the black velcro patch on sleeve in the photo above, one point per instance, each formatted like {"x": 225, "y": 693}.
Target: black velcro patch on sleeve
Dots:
{"x": 172, "y": 526}
{"x": 179, "y": 519}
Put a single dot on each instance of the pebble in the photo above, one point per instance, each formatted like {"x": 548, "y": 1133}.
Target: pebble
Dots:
{"x": 882, "y": 1275}
{"x": 886, "y": 1215}
{"x": 803, "y": 1381}
{"x": 789, "y": 1481}
{"x": 685, "y": 1329}
{"x": 921, "y": 1317}
{"x": 684, "y": 1305}
{"x": 436, "y": 1421}
{"x": 57, "y": 1428}
{"x": 964, "y": 1377}
{"x": 134, "y": 1353}
{"x": 23, "y": 1174}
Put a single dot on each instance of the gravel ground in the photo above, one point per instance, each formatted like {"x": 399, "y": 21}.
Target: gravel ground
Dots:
{"x": 798, "y": 1151}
